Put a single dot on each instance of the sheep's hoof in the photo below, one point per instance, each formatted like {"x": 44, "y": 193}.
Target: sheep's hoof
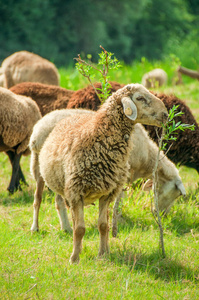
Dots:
{"x": 74, "y": 259}
{"x": 34, "y": 229}
{"x": 70, "y": 231}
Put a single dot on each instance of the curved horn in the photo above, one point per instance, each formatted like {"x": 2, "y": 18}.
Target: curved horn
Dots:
{"x": 130, "y": 108}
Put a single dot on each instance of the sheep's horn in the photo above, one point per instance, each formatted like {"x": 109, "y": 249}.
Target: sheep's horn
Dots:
{"x": 130, "y": 108}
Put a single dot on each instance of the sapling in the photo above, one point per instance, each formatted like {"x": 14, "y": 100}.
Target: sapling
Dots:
{"x": 105, "y": 63}
{"x": 169, "y": 132}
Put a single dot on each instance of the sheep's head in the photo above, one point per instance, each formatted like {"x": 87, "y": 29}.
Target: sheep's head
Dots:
{"x": 141, "y": 106}
{"x": 168, "y": 191}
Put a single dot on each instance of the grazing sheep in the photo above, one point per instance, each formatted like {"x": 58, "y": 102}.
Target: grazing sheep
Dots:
{"x": 41, "y": 130}
{"x": 85, "y": 157}
{"x": 18, "y": 116}
{"x": 48, "y": 97}
{"x": 26, "y": 66}
{"x": 142, "y": 161}
{"x": 155, "y": 78}
{"x": 183, "y": 151}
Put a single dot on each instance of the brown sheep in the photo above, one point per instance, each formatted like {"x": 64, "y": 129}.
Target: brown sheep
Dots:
{"x": 18, "y": 116}
{"x": 47, "y": 97}
{"x": 26, "y": 66}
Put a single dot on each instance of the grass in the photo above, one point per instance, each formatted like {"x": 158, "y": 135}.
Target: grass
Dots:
{"x": 36, "y": 266}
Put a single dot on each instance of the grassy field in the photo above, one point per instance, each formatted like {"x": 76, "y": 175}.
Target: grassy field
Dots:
{"x": 36, "y": 266}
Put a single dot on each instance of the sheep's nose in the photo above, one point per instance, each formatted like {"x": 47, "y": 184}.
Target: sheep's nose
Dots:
{"x": 164, "y": 117}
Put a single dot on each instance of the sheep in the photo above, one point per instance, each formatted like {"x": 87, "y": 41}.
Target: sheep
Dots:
{"x": 41, "y": 130}
{"x": 26, "y": 66}
{"x": 155, "y": 78}
{"x": 142, "y": 160}
{"x": 18, "y": 116}
{"x": 184, "y": 150}
{"x": 47, "y": 97}
{"x": 85, "y": 157}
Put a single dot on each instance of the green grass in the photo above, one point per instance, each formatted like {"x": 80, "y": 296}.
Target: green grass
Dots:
{"x": 36, "y": 266}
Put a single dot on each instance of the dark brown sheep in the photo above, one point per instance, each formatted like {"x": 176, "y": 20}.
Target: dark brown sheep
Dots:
{"x": 47, "y": 97}
{"x": 185, "y": 150}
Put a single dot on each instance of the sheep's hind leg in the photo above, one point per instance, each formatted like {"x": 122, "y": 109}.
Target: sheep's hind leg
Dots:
{"x": 20, "y": 176}
{"x": 103, "y": 225}
{"x": 37, "y": 203}
{"x": 78, "y": 230}
{"x": 62, "y": 213}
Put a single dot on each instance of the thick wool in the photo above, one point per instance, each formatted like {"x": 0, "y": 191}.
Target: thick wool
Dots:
{"x": 47, "y": 97}
{"x": 18, "y": 116}
{"x": 25, "y": 66}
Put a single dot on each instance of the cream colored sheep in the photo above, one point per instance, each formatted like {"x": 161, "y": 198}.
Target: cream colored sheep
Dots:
{"x": 142, "y": 160}
{"x": 18, "y": 116}
{"x": 155, "y": 78}
{"x": 26, "y": 66}
{"x": 85, "y": 157}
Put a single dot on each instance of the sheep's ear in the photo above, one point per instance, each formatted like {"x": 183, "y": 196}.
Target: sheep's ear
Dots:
{"x": 148, "y": 185}
{"x": 130, "y": 108}
{"x": 180, "y": 187}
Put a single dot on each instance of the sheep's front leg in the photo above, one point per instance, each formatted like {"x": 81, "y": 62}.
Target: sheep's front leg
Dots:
{"x": 37, "y": 203}
{"x": 62, "y": 213}
{"x": 78, "y": 230}
{"x": 103, "y": 225}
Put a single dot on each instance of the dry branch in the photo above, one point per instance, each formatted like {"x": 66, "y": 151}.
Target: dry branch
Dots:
{"x": 188, "y": 72}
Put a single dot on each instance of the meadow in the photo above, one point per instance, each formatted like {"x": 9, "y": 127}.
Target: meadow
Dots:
{"x": 36, "y": 266}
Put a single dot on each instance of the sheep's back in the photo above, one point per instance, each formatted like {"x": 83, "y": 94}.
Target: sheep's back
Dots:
{"x": 47, "y": 97}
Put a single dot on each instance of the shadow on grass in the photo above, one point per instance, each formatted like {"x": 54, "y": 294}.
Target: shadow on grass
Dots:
{"x": 167, "y": 269}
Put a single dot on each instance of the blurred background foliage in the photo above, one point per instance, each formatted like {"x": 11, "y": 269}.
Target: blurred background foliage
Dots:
{"x": 60, "y": 29}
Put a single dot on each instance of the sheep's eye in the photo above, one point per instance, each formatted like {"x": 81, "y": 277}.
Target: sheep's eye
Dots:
{"x": 140, "y": 98}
